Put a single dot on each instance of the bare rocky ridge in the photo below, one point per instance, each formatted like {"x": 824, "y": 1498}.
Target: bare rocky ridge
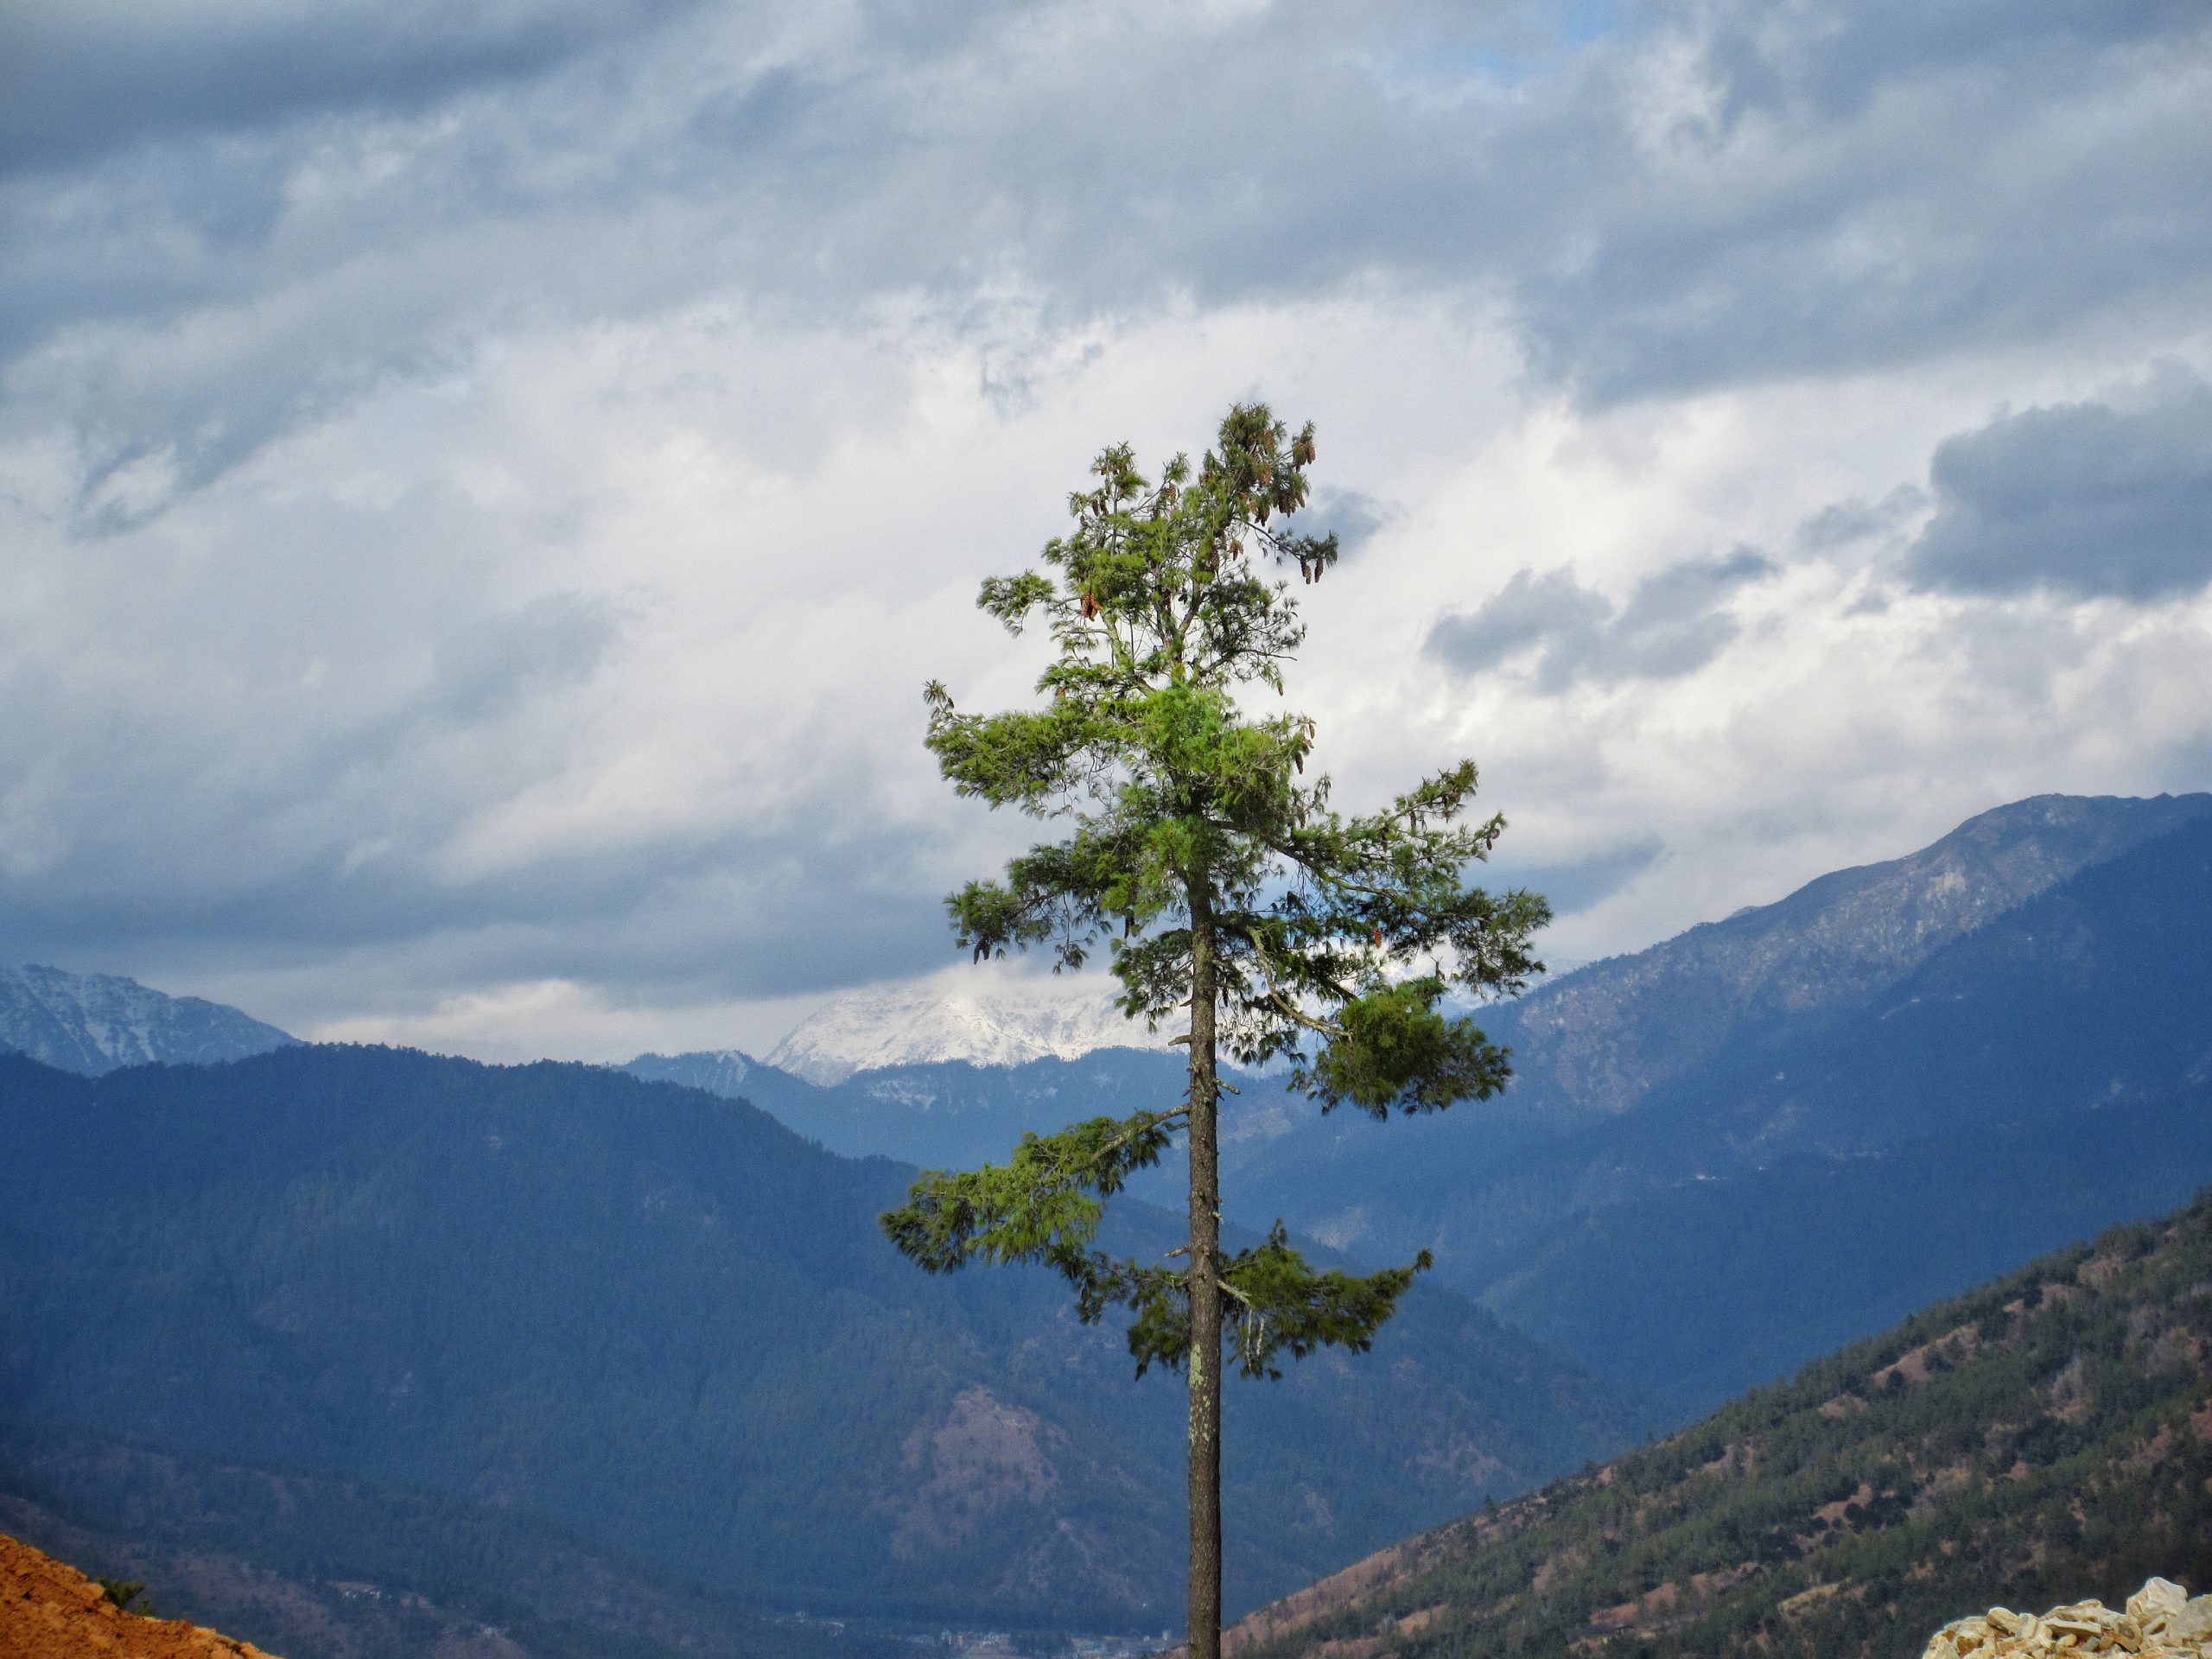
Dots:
{"x": 50, "y": 1611}
{"x": 2161, "y": 1621}
{"x": 1598, "y": 1041}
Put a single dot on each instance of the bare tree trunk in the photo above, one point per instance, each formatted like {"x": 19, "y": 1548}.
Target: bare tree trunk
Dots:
{"x": 1205, "y": 1368}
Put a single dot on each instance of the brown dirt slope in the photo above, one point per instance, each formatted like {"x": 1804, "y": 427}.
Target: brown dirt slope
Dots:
{"x": 48, "y": 1610}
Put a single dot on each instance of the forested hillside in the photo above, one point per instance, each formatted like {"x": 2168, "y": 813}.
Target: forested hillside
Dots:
{"x": 2019, "y": 998}
{"x": 338, "y": 1567}
{"x": 670, "y": 1324}
{"x": 2043, "y": 1438}
{"x": 2046, "y": 959}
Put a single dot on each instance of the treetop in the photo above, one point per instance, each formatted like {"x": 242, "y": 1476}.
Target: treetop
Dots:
{"x": 1161, "y": 605}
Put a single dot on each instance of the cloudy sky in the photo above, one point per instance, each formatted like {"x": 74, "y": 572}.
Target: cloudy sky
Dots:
{"x": 483, "y": 482}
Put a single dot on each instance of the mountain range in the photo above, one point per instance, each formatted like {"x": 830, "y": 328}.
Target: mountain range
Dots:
{"x": 1665, "y": 1232}
{"x": 1598, "y": 1041}
{"x": 937, "y": 1114}
{"x": 1721, "y": 1159}
{"x": 2028, "y": 991}
{"x": 2025, "y": 990}
{"x": 666, "y": 1323}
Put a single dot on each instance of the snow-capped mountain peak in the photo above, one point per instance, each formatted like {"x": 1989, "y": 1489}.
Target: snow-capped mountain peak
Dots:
{"x": 1004, "y": 1021}
{"x": 94, "y": 1023}
{"x": 718, "y": 1071}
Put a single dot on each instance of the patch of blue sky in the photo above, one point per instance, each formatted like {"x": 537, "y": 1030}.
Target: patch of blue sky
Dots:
{"x": 1446, "y": 62}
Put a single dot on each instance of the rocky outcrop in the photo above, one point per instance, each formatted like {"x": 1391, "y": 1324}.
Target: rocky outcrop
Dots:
{"x": 2159, "y": 1622}
{"x": 48, "y": 1610}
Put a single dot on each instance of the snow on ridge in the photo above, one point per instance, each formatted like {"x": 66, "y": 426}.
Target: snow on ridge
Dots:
{"x": 718, "y": 1071}
{"x": 92, "y": 1023}
{"x": 1008, "y": 1024}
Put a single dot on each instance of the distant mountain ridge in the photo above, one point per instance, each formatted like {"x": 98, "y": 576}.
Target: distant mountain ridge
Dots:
{"x": 1588, "y": 1042}
{"x": 722, "y": 1072}
{"x": 1670, "y": 1240}
{"x": 94, "y": 1023}
{"x": 1594, "y": 1042}
{"x": 937, "y": 1114}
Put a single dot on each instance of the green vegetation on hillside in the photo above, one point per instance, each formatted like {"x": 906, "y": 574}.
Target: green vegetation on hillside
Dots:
{"x": 669, "y": 1326}
{"x": 2046, "y": 1438}
{"x": 303, "y": 1564}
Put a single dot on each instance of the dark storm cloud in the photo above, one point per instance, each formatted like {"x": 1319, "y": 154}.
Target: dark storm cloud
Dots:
{"x": 1674, "y": 622}
{"x": 2083, "y": 499}
{"x": 1838, "y": 58}
{"x": 82, "y": 80}
{"x": 1858, "y": 185}
{"x": 1553, "y": 610}
{"x": 1717, "y": 193}
{"x": 1578, "y": 884}
{"x": 807, "y": 905}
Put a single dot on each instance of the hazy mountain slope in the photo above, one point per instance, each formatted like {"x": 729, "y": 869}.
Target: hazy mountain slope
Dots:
{"x": 2043, "y": 1438}
{"x": 1692, "y": 1019}
{"x": 723, "y": 1071}
{"x": 669, "y": 1323}
{"x": 2098, "y": 988}
{"x": 2097, "y": 991}
{"x": 1597, "y": 1040}
{"x": 2037, "y": 1051}
{"x": 1705, "y": 1289}
{"x": 94, "y": 1023}
{"x": 2044, "y": 958}
{"x": 315, "y": 1568}
{"x": 944, "y": 1115}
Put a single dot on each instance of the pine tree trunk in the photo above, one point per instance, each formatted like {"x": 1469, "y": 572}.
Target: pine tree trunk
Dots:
{"x": 1204, "y": 1368}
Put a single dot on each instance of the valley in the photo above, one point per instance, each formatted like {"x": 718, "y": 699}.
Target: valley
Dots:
{"x": 432, "y": 1275}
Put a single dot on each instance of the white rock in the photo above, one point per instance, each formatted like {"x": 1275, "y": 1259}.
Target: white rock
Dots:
{"x": 2158, "y": 1596}
{"x": 2192, "y": 1624}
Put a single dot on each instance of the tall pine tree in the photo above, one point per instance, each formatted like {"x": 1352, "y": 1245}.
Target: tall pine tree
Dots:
{"x": 1221, "y": 883}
